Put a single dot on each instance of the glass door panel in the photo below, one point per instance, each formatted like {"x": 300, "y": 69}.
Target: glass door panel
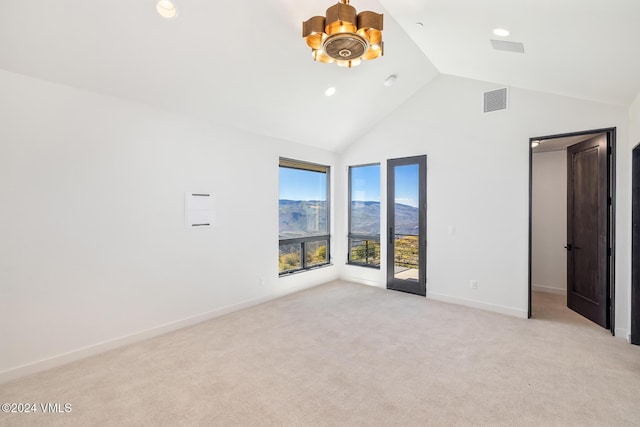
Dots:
{"x": 406, "y": 221}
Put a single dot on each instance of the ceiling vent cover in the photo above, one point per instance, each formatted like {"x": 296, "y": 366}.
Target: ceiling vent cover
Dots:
{"x": 515, "y": 47}
{"x": 495, "y": 100}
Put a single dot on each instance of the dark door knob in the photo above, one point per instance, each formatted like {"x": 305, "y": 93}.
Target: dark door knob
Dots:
{"x": 568, "y": 247}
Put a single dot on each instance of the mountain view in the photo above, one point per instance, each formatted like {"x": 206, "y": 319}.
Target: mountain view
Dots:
{"x": 304, "y": 217}
{"x": 299, "y": 218}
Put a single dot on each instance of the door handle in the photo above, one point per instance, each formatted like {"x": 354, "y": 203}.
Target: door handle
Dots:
{"x": 569, "y": 246}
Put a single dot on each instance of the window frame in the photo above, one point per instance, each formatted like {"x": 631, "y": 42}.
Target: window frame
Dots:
{"x": 303, "y": 241}
{"x": 358, "y": 236}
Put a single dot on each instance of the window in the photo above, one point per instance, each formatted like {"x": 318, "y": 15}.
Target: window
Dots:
{"x": 304, "y": 216}
{"x": 364, "y": 215}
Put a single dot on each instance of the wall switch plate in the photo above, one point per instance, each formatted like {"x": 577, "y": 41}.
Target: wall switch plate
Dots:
{"x": 199, "y": 210}
{"x": 473, "y": 284}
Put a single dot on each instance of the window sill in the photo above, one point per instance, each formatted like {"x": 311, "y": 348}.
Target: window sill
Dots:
{"x": 375, "y": 267}
{"x": 317, "y": 267}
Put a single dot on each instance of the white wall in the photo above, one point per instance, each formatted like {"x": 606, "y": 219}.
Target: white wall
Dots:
{"x": 93, "y": 252}
{"x": 549, "y": 222}
{"x": 478, "y": 182}
{"x": 93, "y": 247}
{"x": 634, "y": 122}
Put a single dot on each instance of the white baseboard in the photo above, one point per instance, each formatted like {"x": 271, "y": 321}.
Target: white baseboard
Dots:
{"x": 548, "y": 289}
{"x": 509, "y": 311}
{"x": 453, "y": 300}
{"x": 72, "y": 356}
{"x": 363, "y": 281}
{"x": 623, "y": 334}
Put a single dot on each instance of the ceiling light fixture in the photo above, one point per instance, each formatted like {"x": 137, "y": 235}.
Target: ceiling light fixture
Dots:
{"x": 501, "y": 32}
{"x": 166, "y": 9}
{"x": 344, "y": 37}
{"x": 330, "y": 91}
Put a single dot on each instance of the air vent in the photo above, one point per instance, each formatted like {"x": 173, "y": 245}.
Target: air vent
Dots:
{"x": 515, "y": 47}
{"x": 495, "y": 100}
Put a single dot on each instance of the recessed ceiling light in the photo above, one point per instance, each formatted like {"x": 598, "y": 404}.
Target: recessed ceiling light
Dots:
{"x": 535, "y": 143}
{"x": 330, "y": 91}
{"x": 501, "y": 32}
{"x": 166, "y": 9}
{"x": 390, "y": 81}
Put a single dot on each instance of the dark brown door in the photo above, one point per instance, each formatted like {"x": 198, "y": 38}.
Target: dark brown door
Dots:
{"x": 635, "y": 249}
{"x": 588, "y": 230}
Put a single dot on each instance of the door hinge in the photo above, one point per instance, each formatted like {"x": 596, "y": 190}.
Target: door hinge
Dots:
{"x": 608, "y": 251}
{"x": 609, "y": 201}
{"x": 609, "y": 150}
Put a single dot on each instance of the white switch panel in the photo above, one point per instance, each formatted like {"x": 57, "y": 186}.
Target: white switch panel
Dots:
{"x": 199, "y": 209}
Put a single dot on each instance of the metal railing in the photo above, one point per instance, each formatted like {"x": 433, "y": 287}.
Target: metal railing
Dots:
{"x": 407, "y": 252}
{"x": 364, "y": 251}
{"x": 303, "y": 253}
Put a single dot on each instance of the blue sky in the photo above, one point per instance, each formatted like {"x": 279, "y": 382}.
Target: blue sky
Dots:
{"x": 365, "y": 183}
{"x": 407, "y": 185}
{"x": 295, "y": 184}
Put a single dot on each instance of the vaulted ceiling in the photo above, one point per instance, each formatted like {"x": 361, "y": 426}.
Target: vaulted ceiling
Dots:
{"x": 243, "y": 63}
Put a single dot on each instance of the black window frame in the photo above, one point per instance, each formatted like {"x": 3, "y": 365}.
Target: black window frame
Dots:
{"x": 304, "y": 241}
{"x": 358, "y": 236}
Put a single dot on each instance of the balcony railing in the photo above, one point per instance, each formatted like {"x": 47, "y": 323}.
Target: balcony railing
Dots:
{"x": 364, "y": 250}
{"x": 407, "y": 253}
{"x": 303, "y": 253}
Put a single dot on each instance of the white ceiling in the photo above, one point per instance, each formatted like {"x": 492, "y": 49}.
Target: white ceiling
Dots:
{"x": 243, "y": 63}
{"x": 580, "y": 48}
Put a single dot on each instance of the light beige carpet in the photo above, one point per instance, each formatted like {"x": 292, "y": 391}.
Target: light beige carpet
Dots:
{"x": 352, "y": 355}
